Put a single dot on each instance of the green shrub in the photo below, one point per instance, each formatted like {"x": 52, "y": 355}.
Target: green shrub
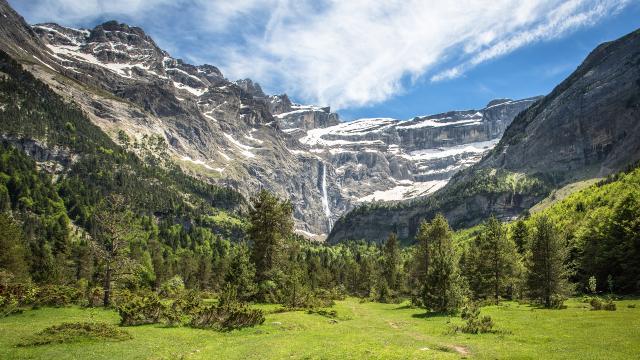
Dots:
{"x": 172, "y": 287}
{"x": 141, "y": 309}
{"x": 72, "y": 332}
{"x": 602, "y": 304}
{"x": 14, "y": 296}
{"x": 227, "y": 314}
{"x": 95, "y": 297}
{"x": 474, "y": 324}
{"x": 326, "y": 313}
{"x": 57, "y": 295}
{"x": 187, "y": 304}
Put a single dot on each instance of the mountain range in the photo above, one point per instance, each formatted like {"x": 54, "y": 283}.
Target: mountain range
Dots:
{"x": 232, "y": 134}
{"x": 351, "y": 180}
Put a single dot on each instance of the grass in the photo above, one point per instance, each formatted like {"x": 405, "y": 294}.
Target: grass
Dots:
{"x": 562, "y": 193}
{"x": 361, "y": 331}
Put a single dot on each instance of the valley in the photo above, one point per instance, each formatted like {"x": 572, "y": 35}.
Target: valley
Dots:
{"x": 155, "y": 209}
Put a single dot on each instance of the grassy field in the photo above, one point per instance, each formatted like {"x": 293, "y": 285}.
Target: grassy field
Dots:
{"x": 362, "y": 331}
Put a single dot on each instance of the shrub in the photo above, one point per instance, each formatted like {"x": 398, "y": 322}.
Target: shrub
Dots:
{"x": 172, "y": 287}
{"x": 474, "y": 324}
{"x": 72, "y": 332}
{"x": 326, "y": 313}
{"x": 600, "y": 304}
{"x": 227, "y": 314}
{"x": 13, "y": 296}
{"x": 141, "y": 309}
{"x": 57, "y": 295}
{"x": 187, "y": 304}
{"x": 95, "y": 297}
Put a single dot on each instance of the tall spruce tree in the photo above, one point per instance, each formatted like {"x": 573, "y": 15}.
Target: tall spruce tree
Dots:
{"x": 520, "y": 236}
{"x": 12, "y": 249}
{"x": 271, "y": 226}
{"x": 548, "y": 273}
{"x": 114, "y": 232}
{"x": 391, "y": 261}
{"x": 492, "y": 262}
{"x": 441, "y": 287}
{"x": 241, "y": 273}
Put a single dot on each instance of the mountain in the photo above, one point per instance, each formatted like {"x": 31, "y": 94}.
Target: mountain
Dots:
{"x": 232, "y": 134}
{"x": 588, "y": 126}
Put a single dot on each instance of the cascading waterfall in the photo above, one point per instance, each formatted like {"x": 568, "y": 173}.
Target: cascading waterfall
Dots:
{"x": 325, "y": 200}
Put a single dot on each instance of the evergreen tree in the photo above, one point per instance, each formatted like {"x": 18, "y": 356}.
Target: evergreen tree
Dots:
{"x": 271, "y": 226}
{"x": 520, "y": 236}
{"x": 441, "y": 287}
{"x": 12, "y": 249}
{"x": 113, "y": 221}
{"x": 241, "y": 273}
{"x": 547, "y": 279}
{"x": 391, "y": 262}
{"x": 492, "y": 262}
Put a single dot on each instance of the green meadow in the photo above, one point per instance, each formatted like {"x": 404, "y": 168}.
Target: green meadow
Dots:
{"x": 360, "y": 331}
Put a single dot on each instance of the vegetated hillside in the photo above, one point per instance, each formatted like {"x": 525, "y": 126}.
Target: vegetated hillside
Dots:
{"x": 601, "y": 224}
{"x": 588, "y": 126}
{"x": 73, "y": 166}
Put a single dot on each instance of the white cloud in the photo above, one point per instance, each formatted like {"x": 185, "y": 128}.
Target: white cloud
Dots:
{"x": 358, "y": 52}
{"x": 346, "y": 53}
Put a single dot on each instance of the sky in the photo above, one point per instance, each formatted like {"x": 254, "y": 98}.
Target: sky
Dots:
{"x": 369, "y": 58}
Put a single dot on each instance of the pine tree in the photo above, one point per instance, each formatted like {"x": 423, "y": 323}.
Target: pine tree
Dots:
{"x": 492, "y": 262}
{"x": 391, "y": 261}
{"x": 113, "y": 221}
{"x": 547, "y": 279}
{"x": 520, "y": 236}
{"x": 12, "y": 249}
{"x": 241, "y": 273}
{"x": 441, "y": 287}
{"x": 271, "y": 226}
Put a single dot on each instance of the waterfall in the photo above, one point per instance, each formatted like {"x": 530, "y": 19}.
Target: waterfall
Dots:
{"x": 325, "y": 200}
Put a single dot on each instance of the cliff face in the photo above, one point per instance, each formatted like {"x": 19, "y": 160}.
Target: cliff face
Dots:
{"x": 588, "y": 126}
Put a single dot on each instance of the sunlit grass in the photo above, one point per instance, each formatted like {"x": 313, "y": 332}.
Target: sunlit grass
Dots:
{"x": 362, "y": 330}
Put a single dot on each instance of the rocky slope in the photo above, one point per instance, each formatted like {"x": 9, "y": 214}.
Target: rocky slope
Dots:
{"x": 588, "y": 126}
{"x": 232, "y": 133}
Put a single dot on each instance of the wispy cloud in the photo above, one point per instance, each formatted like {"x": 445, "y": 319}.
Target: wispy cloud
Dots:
{"x": 347, "y": 53}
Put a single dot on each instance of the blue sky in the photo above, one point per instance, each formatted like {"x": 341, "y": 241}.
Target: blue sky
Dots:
{"x": 393, "y": 58}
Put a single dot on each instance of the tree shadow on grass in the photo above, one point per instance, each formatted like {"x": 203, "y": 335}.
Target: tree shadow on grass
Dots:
{"x": 430, "y": 314}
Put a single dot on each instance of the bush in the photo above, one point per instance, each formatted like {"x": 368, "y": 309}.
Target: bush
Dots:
{"x": 600, "y": 304}
{"x": 474, "y": 324}
{"x": 57, "y": 295}
{"x": 227, "y": 314}
{"x": 141, "y": 309}
{"x": 187, "y": 304}
{"x": 172, "y": 287}
{"x": 72, "y": 332}
{"x": 95, "y": 297}
{"x": 326, "y": 313}
{"x": 13, "y": 296}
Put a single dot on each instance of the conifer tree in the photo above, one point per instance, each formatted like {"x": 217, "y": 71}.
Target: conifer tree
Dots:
{"x": 520, "y": 236}
{"x": 492, "y": 262}
{"x": 441, "y": 287}
{"x": 114, "y": 231}
{"x": 12, "y": 248}
{"x": 241, "y": 273}
{"x": 547, "y": 279}
{"x": 391, "y": 261}
{"x": 271, "y": 226}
